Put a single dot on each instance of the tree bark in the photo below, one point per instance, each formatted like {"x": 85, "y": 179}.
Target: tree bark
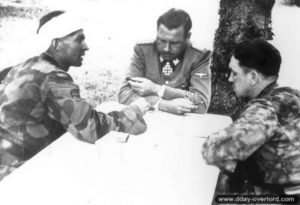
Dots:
{"x": 239, "y": 20}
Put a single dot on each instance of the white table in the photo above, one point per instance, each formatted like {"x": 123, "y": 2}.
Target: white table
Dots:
{"x": 163, "y": 166}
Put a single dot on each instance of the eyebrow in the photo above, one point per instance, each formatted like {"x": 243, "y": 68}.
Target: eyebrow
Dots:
{"x": 80, "y": 37}
{"x": 169, "y": 41}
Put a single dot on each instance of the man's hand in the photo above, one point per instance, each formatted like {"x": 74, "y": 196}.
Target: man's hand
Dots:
{"x": 178, "y": 106}
{"x": 135, "y": 123}
{"x": 143, "y": 105}
{"x": 143, "y": 86}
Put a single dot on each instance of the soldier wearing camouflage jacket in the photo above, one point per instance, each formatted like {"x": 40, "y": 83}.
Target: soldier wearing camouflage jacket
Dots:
{"x": 272, "y": 117}
{"x": 39, "y": 102}
{"x": 267, "y": 132}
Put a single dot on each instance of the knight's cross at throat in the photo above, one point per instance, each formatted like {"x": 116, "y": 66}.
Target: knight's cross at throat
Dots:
{"x": 168, "y": 67}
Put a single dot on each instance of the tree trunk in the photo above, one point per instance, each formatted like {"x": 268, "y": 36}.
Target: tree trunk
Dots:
{"x": 239, "y": 20}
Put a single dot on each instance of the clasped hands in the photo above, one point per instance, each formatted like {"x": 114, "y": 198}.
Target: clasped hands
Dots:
{"x": 145, "y": 87}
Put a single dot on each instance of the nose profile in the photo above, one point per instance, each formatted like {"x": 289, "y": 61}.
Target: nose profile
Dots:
{"x": 167, "y": 47}
{"x": 85, "y": 46}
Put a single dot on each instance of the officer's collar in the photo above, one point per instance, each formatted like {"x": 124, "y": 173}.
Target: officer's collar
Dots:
{"x": 175, "y": 61}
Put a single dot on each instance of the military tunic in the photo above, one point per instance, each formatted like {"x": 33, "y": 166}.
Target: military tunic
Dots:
{"x": 39, "y": 102}
{"x": 268, "y": 130}
{"x": 191, "y": 77}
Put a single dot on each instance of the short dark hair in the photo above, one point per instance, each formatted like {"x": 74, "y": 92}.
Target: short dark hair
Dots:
{"x": 174, "y": 18}
{"x": 259, "y": 55}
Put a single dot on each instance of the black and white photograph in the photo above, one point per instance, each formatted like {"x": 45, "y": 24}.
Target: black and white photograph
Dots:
{"x": 138, "y": 102}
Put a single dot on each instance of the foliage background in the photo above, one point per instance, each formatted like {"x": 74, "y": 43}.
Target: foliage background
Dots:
{"x": 114, "y": 26}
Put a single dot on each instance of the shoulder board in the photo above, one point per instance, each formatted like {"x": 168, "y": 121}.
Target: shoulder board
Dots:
{"x": 205, "y": 53}
{"x": 204, "y": 57}
{"x": 145, "y": 43}
{"x": 197, "y": 48}
{"x": 200, "y": 50}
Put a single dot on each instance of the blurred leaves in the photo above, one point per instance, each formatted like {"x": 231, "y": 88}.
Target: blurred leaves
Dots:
{"x": 98, "y": 87}
{"x": 21, "y": 11}
{"x": 291, "y": 2}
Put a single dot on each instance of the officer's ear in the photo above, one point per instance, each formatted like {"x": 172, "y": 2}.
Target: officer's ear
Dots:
{"x": 188, "y": 36}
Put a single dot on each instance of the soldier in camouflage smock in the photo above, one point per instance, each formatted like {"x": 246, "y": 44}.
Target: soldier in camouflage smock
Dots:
{"x": 39, "y": 102}
{"x": 267, "y": 132}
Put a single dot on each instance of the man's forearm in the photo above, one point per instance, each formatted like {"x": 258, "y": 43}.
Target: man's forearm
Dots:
{"x": 126, "y": 95}
{"x": 164, "y": 105}
{"x": 152, "y": 99}
{"x": 171, "y": 93}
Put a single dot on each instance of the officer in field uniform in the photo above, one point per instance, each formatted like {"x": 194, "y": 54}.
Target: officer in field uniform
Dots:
{"x": 266, "y": 135}
{"x": 169, "y": 73}
{"x": 39, "y": 100}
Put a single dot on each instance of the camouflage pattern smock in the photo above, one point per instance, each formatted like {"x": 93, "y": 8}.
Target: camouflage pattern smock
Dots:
{"x": 268, "y": 130}
{"x": 39, "y": 102}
